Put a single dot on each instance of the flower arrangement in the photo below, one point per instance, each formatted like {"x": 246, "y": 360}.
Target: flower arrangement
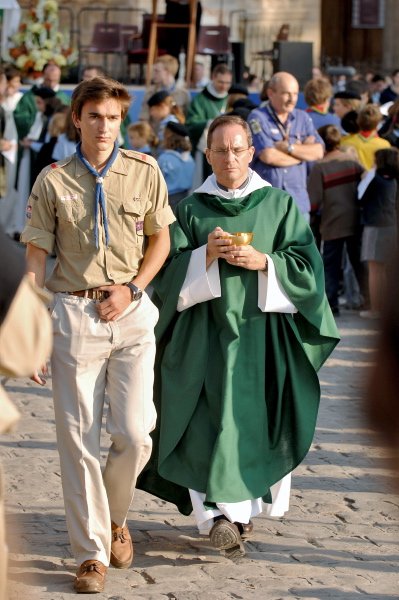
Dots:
{"x": 39, "y": 41}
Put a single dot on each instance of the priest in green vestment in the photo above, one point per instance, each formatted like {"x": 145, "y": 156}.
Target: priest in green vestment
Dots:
{"x": 25, "y": 111}
{"x": 243, "y": 330}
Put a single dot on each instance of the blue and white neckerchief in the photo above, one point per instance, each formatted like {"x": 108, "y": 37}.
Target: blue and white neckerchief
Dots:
{"x": 99, "y": 199}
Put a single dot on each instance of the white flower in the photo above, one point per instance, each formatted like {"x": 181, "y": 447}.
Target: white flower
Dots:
{"x": 39, "y": 64}
{"x": 21, "y": 61}
{"x": 50, "y": 6}
{"x": 60, "y": 60}
{"x": 35, "y": 27}
{"x": 49, "y": 44}
{"x": 40, "y": 39}
{"x": 35, "y": 54}
{"x": 18, "y": 38}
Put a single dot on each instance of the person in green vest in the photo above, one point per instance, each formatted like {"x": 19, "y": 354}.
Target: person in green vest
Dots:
{"x": 243, "y": 330}
{"x": 204, "y": 107}
{"x": 26, "y": 109}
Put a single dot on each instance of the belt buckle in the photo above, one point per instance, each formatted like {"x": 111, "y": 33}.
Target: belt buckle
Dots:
{"x": 100, "y": 295}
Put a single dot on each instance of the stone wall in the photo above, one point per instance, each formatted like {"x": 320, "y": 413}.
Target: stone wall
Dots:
{"x": 390, "y": 56}
{"x": 260, "y": 23}
{"x": 256, "y": 22}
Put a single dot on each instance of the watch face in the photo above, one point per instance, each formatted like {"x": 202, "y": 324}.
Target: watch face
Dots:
{"x": 136, "y": 292}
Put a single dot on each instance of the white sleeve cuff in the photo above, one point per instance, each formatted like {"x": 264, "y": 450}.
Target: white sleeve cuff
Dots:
{"x": 201, "y": 284}
{"x": 271, "y": 296}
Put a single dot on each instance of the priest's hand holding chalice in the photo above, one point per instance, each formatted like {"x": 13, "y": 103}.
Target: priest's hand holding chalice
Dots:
{"x": 236, "y": 249}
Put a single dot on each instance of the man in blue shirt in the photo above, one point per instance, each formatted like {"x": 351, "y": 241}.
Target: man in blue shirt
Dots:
{"x": 285, "y": 140}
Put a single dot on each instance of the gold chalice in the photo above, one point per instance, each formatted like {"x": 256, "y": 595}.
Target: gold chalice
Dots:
{"x": 240, "y": 238}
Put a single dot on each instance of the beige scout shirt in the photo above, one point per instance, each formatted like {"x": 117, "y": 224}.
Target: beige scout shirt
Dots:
{"x": 61, "y": 216}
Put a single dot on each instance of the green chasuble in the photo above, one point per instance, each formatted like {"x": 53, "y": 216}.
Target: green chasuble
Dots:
{"x": 24, "y": 117}
{"x": 236, "y": 389}
{"x": 25, "y": 111}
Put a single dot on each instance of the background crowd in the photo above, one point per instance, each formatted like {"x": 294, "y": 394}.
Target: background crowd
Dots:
{"x": 338, "y": 157}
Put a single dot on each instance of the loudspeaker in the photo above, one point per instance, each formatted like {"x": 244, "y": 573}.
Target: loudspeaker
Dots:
{"x": 295, "y": 58}
{"x": 238, "y": 50}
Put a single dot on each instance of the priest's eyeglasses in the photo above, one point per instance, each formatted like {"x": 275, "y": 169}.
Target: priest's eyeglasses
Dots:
{"x": 223, "y": 152}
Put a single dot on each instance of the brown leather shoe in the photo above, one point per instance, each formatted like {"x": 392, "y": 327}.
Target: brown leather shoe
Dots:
{"x": 121, "y": 547}
{"x": 225, "y": 536}
{"x": 90, "y": 577}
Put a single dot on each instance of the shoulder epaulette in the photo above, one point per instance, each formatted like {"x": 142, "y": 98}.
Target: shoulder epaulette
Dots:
{"x": 64, "y": 161}
{"x": 138, "y": 156}
{"x": 56, "y": 165}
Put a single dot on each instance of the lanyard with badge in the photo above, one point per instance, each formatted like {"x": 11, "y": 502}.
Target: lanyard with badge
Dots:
{"x": 284, "y": 128}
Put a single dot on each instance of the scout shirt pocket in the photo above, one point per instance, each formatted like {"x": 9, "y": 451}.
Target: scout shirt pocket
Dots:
{"x": 68, "y": 211}
{"x": 133, "y": 214}
{"x": 276, "y": 134}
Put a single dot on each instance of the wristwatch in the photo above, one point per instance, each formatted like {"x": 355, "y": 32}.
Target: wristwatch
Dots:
{"x": 135, "y": 292}
{"x": 290, "y": 148}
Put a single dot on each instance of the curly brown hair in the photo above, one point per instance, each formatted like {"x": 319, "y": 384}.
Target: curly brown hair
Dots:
{"x": 174, "y": 141}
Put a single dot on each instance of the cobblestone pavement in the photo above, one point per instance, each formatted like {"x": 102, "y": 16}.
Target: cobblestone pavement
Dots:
{"x": 339, "y": 539}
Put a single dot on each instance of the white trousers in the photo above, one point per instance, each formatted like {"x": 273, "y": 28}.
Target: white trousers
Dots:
{"x": 91, "y": 356}
{"x": 242, "y": 511}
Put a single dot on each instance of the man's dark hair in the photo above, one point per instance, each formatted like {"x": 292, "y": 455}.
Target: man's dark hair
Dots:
{"x": 331, "y": 136}
{"x": 10, "y": 72}
{"x": 221, "y": 69}
{"x": 349, "y": 122}
{"x": 225, "y": 120}
{"x": 71, "y": 132}
{"x": 51, "y": 63}
{"x": 174, "y": 140}
{"x": 377, "y": 77}
{"x": 97, "y": 90}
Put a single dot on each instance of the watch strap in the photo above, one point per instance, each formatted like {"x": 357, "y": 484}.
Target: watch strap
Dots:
{"x": 135, "y": 292}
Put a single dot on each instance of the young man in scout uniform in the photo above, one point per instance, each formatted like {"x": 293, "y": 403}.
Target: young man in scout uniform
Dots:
{"x": 106, "y": 213}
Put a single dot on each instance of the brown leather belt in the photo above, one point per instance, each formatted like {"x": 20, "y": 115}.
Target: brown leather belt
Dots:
{"x": 93, "y": 294}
